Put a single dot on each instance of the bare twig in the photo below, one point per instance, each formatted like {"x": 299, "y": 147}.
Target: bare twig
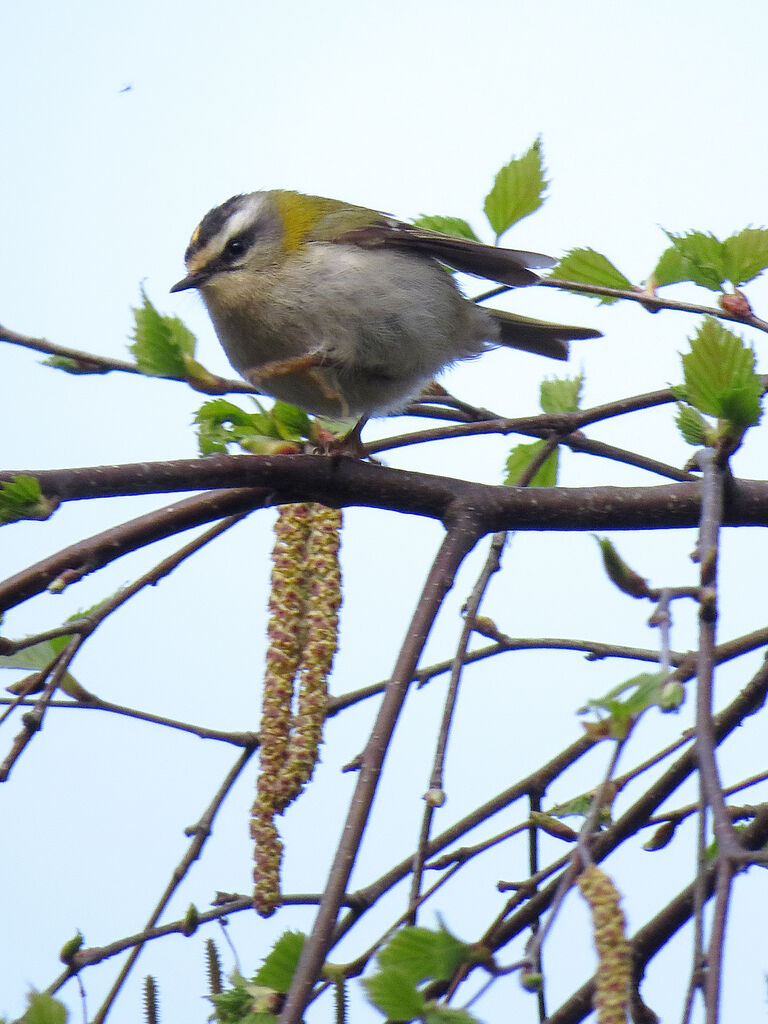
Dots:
{"x": 460, "y": 539}
{"x": 199, "y": 833}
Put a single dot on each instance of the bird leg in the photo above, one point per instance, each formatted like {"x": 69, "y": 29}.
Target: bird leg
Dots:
{"x": 310, "y": 364}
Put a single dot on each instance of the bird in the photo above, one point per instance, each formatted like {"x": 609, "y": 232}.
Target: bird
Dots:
{"x": 345, "y": 311}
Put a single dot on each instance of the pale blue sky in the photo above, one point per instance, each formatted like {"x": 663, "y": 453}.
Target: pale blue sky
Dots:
{"x": 120, "y": 125}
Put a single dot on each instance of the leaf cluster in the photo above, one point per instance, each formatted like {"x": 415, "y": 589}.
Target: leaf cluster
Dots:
{"x": 412, "y": 958}
{"x": 720, "y": 381}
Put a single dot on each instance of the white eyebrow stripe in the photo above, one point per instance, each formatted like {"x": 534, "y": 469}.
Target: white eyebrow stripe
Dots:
{"x": 243, "y": 217}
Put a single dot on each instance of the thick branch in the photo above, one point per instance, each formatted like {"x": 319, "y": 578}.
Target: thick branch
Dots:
{"x": 340, "y": 480}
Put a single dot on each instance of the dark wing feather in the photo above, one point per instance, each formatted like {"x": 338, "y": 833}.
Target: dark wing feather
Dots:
{"x": 507, "y": 266}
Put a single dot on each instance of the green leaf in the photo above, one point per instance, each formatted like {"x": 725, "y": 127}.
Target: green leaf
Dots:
{"x": 646, "y": 690}
{"x": 586, "y": 266}
{"x": 561, "y": 394}
{"x": 447, "y": 1015}
{"x": 746, "y": 255}
{"x": 580, "y": 806}
{"x": 692, "y": 425}
{"x": 162, "y": 345}
{"x": 245, "y": 1004}
{"x": 279, "y": 429}
{"x": 618, "y": 572}
{"x": 280, "y": 965}
{"x": 720, "y": 376}
{"x": 395, "y": 994}
{"x": 517, "y": 191}
{"x": 44, "y": 1009}
{"x": 70, "y": 947}
{"x": 291, "y": 422}
{"x": 37, "y": 658}
{"x": 420, "y": 953}
{"x": 520, "y": 458}
{"x": 671, "y": 268}
{"x": 703, "y": 259}
{"x": 22, "y": 498}
{"x": 453, "y": 226}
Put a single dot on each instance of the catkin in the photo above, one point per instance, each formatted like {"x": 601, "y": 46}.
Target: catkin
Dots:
{"x": 303, "y": 635}
{"x": 323, "y": 580}
{"x": 613, "y": 952}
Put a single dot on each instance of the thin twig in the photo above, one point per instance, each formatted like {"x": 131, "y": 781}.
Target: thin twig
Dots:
{"x": 78, "y": 560}
{"x": 492, "y": 564}
{"x": 460, "y": 539}
{"x": 200, "y": 833}
{"x": 89, "y": 362}
{"x": 33, "y": 720}
{"x": 653, "y": 302}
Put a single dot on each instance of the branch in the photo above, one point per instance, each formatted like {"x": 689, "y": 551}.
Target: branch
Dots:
{"x": 652, "y": 302}
{"x": 87, "y": 556}
{"x": 200, "y": 833}
{"x": 746, "y": 703}
{"x": 341, "y": 481}
{"x": 654, "y": 935}
{"x": 88, "y": 362}
{"x": 460, "y": 539}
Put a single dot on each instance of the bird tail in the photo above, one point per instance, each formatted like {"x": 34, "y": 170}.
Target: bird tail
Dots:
{"x": 538, "y": 336}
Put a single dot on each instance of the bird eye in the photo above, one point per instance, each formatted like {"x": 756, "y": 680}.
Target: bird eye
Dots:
{"x": 235, "y": 247}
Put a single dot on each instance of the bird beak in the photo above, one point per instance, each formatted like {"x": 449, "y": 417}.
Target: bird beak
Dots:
{"x": 190, "y": 281}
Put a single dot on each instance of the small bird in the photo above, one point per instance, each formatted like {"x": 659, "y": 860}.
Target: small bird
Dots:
{"x": 348, "y": 312}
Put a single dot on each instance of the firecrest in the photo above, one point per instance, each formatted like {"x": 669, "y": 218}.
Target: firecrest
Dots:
{"x": 345, "y": 311}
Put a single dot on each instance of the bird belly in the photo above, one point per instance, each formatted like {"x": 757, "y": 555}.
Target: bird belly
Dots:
{"x": 379, "y": 324}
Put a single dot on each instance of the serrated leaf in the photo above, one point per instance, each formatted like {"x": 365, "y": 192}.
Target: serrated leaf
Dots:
{"x": 520, "y": 458}
{"x": 671, "y": 268}
{"x": 162, "y": 344}
{"x": 517, "y": 191}
{"x": 44, "y": 1009}
{"x": 618, "y": 572}
{"x": 720, "y": 376}
{"x": 746, "y": 255}
{"x": 586, "y": 266}
{"x": 456, "y": 227}
{"x": 395, "y": 994}
{"x": 280, "y": 965}
{"x": 694, "y": 428}
{"x": 561, "y": 394}
{"x": 22, "y": 498}
{"x": 703, "y": 258}
{"x": 421, "y": 953}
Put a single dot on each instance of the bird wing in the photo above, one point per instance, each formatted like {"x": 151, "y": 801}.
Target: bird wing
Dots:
{"x": 507, "y": 266}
